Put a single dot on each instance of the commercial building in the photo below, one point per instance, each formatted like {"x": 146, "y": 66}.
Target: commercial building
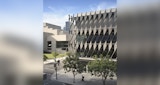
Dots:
{"x": 54, "y": 39}
{"x": 67, "y": 27}
{"x": 94, "y": 33}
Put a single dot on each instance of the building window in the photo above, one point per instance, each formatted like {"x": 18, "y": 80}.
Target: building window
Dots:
{"x": 112, "y": 15}
{"x": 97, "y": 16}
{"x": 92, "y": 17}
{"x": 101, "y": 16}
{"x": 49, "y": 43}
{"x": 61, "y": 44}
{"x": 107, "y": 15}
{"x": 49, "y": 48}
{"x": 87, "y": 17}
{"x": 63, "y": 48}
{"x": 81, "y": 38}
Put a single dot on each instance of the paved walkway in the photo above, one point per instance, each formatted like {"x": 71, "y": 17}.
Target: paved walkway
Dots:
{"x": 89, "y": 80}
{"x": 68, "y": 77}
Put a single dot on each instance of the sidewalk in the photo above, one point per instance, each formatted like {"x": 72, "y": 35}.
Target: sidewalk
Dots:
{"x": 68, "y": 77}
{"x": 88, "y": 79}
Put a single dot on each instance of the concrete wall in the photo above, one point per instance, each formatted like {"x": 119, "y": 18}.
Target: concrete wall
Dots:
{"x": 48, "y": 25}
{"x": 100, "y": 30}
{"x": 45, "y": 36}
{"x": 53, "y": 33}
{"x": 55, "y": 38}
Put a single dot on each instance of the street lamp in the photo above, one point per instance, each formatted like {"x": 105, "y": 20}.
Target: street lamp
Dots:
{"x": 55, "y": 64}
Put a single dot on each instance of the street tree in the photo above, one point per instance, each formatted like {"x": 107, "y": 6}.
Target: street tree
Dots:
{"x": 72, "y": 64}
{"x": 102, "y": 67}
{"x": 44, "y": 57}
{"x": 55, "y": 54}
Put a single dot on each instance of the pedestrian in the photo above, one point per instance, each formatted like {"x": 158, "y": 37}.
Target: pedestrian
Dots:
{"x": 58, "y": 62}
{"x": 82, "y": 78}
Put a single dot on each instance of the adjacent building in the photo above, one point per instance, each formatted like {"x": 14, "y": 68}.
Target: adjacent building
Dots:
{"x": 67, "y": 28}
{"x": 94, "y": 33}
{"x": 54, "y": 39}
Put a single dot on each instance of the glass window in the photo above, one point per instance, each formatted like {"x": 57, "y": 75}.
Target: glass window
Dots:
{"x": 61, "y": 44}
{"x": 49, "y": 43}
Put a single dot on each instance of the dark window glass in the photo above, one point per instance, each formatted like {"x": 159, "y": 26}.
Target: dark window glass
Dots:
{"x": 92, "y": 17}
{"x": 101, "y": 16}
{"x": 63, "y": 48}
{"x": 97, "y": 16}
{"x": 61, "y": 44}
{"x": 49, "y": 44}
{"x": 107, "y": 15}
{"x": 112, "y": 15}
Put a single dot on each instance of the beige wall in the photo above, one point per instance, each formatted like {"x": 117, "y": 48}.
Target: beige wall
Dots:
{"x": 53, "y": 35}
{"x": 55, "y": 38}
{"x": 60, "y": 37}
{"x": 45, "y": 36}
{"x": 50, "y": 30}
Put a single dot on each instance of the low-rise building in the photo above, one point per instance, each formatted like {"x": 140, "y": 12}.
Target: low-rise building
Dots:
{"x": 54, "y": 39}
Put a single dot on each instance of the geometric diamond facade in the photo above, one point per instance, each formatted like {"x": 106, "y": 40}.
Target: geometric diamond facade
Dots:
{"x": 94, "y": 33}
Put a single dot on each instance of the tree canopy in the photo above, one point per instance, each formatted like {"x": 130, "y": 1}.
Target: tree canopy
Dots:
{"x": 102, "y": 67}
{"x": 72, "y": 64}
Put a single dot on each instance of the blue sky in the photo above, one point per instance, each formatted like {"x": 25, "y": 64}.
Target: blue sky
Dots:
{"x": 57, "y": 11}
{"x": 22, "y": 17}
{"x": 25, "y": 17}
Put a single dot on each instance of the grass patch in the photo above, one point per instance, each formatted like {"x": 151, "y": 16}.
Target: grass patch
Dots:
{"x": 61, "y": 55}
{"x": 49, "y": 56}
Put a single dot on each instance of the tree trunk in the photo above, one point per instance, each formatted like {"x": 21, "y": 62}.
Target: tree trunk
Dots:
{"x": 104, "y": 82}
{"x": 73, "y": 78}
